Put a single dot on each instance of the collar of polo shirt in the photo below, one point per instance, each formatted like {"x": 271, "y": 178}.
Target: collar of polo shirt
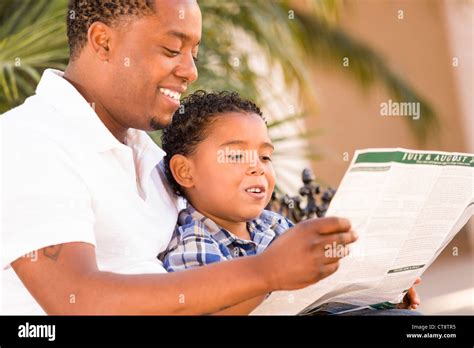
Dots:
{"x": 58, "y": 92}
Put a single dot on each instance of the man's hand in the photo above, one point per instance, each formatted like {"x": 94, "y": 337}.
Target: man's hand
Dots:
{"x": 411, "y": 299}
{"x": 297, "y": 258}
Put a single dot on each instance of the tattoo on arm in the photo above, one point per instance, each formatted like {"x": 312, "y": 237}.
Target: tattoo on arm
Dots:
{"x": 52, "y": 251}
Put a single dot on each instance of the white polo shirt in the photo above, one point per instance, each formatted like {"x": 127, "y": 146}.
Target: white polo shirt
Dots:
{"x": 66, "y": 178}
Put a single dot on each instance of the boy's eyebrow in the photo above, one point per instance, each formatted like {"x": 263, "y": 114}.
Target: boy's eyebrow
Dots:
{"x": 180, "y": 35}
{"x": 241, "y": 142}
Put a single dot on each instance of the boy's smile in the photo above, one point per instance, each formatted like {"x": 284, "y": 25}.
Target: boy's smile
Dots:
{"x": 256, "y": 191}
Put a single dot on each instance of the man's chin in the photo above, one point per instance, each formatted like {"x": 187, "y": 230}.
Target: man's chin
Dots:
{"x": 160, "y": 122}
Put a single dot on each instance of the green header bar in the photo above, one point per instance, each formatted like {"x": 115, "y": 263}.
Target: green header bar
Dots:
{"x": 441, "y": 159}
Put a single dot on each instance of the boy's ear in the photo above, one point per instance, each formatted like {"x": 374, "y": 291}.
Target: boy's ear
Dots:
{"x": 180, "y": 167}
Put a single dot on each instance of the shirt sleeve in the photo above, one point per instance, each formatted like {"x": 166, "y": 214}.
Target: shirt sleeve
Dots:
{"x": 287, "y": 223}
{"x": 44, "y": 200}
{"x": 191, "y": 251}
{"x": 283, "y": 225}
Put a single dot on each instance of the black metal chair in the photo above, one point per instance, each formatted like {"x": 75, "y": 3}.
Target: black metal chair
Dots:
{"x": 317, "y": 200}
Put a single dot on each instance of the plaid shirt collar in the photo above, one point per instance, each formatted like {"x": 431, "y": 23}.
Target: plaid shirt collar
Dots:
{"x": 258, "y": 228}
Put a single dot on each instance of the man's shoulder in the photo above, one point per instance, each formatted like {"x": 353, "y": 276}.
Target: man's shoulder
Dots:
{"x": 36, "y": 128}
{"x": 37, "y": 142}
{"x": 32, "y": 110}
{"x": 30, "y": 123}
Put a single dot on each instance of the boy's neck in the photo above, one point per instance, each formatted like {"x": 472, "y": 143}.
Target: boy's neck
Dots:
{"x": 237, "y": 228}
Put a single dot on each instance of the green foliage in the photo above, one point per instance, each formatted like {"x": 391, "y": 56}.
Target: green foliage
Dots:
{"x": 32, "y": 38}
{"x": 294, "y": 39}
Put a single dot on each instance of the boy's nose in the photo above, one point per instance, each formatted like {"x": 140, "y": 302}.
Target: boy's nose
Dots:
{"x": 256, "y": 169}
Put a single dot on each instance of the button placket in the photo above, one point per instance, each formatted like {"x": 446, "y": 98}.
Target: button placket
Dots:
{"x": 125, "y": 159}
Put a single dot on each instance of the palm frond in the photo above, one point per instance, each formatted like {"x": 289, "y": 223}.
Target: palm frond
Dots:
{"x": 32, "y": 38}
{"x": 295, "y": 39}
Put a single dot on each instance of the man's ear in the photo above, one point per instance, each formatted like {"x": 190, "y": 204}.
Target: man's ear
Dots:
{"x": 98, "y": 37}
{"x": 181, "y": 168}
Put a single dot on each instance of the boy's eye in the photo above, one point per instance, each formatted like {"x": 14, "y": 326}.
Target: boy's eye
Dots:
{"x": 235, "y": 157}
{"x": 266, "y": 158}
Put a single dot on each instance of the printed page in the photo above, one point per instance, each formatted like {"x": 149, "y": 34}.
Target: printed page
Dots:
{"x": 406, "y": 206}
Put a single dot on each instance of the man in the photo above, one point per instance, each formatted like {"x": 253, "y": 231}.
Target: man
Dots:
{"x": 85, "y": 210}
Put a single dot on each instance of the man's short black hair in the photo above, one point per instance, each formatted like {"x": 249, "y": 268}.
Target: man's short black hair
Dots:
{"x": 82, "y": 13}
{"x": 192, "y": 120}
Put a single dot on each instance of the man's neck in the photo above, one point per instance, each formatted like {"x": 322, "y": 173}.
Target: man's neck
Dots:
{"x": 90, "y": 91}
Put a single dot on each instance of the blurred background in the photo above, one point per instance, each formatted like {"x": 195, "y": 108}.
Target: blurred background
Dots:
{"x": 320, "y": 71}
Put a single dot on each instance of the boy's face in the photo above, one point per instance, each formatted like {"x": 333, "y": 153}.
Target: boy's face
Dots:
{"x": 232, "y": 173}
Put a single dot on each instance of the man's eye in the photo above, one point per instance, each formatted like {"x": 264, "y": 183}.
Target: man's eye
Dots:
{"x": 172, "y": 52}
{"x": 267, "y": 158}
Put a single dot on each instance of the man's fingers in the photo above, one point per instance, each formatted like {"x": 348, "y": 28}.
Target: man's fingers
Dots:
{"x": 333, "y": 252}
{"x": 327, "y": 270}
{"x": 331, "y": 259}
{"x": 339, "y": 238}
{"x": 328, "y": 225}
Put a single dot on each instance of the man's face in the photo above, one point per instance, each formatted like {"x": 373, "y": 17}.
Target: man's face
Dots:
{"x": 232, "y": 171}
{"x": 152, "y": 63}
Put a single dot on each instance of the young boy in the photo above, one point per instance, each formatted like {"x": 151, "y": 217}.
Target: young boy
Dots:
{"x": 219, "y": 158}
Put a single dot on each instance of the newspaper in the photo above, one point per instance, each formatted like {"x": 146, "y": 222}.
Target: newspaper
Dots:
{"x": 406, "y": 206}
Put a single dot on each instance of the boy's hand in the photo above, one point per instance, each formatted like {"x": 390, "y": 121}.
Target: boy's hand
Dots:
{"x": 297, "y": 258}
{"x": 411, "y": 300}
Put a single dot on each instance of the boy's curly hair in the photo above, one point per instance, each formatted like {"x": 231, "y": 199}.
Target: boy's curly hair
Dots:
{"x": 192, "y": 120}
{"x": 82, "y": 13}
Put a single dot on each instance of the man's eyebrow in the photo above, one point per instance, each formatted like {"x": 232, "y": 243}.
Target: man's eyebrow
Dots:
{"x": 241, "y": 142}
{"x": 180, "y": 35}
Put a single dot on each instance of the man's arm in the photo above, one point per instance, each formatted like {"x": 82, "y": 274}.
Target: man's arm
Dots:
{"x": 69, "y": 271}
{"x": 243, "y": 308}
{"x": 65, "y": 278}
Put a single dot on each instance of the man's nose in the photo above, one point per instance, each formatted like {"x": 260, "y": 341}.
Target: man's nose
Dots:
{"x": 187, "y": 69}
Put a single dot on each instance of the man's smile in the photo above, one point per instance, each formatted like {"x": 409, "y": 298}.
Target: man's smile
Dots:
{"x": 170, "y": 93}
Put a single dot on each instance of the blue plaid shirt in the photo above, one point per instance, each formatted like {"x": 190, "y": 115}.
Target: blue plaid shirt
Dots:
{"x": 197, "y": 240}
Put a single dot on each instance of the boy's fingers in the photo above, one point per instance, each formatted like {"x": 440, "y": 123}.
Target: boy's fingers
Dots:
{"x": 413, "y": 297}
